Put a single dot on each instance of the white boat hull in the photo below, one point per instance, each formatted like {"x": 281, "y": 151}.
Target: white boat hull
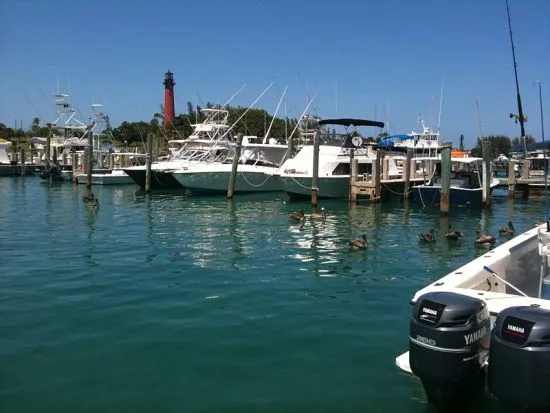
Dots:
{"x": 329, "y": 187}
{"x": 215, "y": 179}
{"x": 113, "y": 178}
{"x": 517, "y": 260}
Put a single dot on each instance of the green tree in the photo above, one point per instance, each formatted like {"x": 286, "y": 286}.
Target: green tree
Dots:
{"x": 6, "y": 133}
{"x": 517, "y": 143}
{"x": 499, "y": 144}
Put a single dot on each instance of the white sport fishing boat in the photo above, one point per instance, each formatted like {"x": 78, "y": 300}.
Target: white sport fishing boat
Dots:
{"x": 210, "y": 140}
{"x": 486, "y": 323}
{"x": 296, "y": 173}
{"x": 423, "y": 144}
{"x": 255, "y": 169}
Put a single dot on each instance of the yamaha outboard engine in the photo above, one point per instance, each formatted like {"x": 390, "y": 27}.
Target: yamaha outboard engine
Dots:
{"x": 519, "y": 359}
{"x": 448, "y": 347}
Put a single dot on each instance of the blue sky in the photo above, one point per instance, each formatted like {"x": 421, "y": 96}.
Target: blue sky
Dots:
{"x": 372, "y": 59}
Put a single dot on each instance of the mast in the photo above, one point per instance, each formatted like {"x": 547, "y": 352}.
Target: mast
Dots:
{"x": 519, "y": 117}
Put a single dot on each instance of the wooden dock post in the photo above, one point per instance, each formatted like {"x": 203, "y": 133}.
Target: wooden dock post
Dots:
{"x": 22, "y": 161}
{"x": 352, "y": 176}
{"x": 54, "y": 155}
{"x": 376, "y": 170}
{"x": 511, "y": 178}
{"x": 90, "y": 160}
{"x": 445, "y": 178}
{"x": 148, "y": 158}
{"x": 47, "y": 149}
{"x": 111, "y": 160}
{"x": 486, "y": 173}
{"x": 234, "y": 165}
{"x": 525, "y": 169}
{"x": 385, "y": 167}
{"x": 315, "y": 175}
{"x": 407, "y": 172}
{"x": 74, "y": 162}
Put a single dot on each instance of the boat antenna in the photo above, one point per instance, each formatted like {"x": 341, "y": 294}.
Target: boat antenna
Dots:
{"x": 273, "y": 118}
{"x": 440, "y": 105}
{"x": 519, "y": 117}
{"x": 479, "y": 118}
{"x": 234, "y": 94}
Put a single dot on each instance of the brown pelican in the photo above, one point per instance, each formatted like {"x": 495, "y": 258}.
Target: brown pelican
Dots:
{"x": 428, "y": 236}
{"x": 93, "y": 203}
{"x": 452, "y": 234}
{"x": 297, "y": 216}
{"x": 484, "y": 240}
{"x": 360, "y": 244}
{"x": 509, "y": 230}
{"x": 89, "y": 196}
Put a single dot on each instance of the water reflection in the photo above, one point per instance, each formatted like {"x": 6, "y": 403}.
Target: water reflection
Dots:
{"x": 237, "y": 249}
{"x": 151, "y": 236}
{"x": 91, "y": 215}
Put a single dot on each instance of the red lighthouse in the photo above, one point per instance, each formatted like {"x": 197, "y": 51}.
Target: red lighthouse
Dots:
{"x": 168, "y": 99}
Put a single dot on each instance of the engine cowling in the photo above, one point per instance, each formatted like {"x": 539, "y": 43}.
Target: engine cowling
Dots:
{"x": 448, "y": 347}
{"x": 519, "y": 359}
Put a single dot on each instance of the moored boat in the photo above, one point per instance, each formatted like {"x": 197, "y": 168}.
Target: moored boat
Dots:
{"x": 486, "y": 323}
{"x": 210, "y": 140}
{"x": 465, "y": 186}
{"x": 255, "y": 170}
{"x": 296, "y": 173}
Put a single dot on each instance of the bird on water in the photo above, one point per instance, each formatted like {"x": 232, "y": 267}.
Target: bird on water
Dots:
{"x": 359, "y": 244}
{"x": 509, "y": 230}
{"x": 484, "y": 240}
{"x": 452, "y": 234}
{"x": 297, "y": 216}
{"x": 427, "y": 236}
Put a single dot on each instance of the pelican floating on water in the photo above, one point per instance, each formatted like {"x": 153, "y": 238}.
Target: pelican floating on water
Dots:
{"x": 452, "y": 234}
{"x": 484, "y": 240}
{"x": 427, "y": 236}
{"x": 88, "y": 197}
{"x": 509, "y": 230}
{"x": 297, "y": 216}
{"x": 360, "y": 244}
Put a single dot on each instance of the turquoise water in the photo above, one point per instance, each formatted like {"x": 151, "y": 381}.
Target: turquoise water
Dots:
{"x": 168, "y": 303}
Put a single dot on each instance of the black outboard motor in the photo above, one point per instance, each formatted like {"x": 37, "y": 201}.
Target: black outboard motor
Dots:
{"x": 448, "y": 347}
{"x": 519, "y": 359}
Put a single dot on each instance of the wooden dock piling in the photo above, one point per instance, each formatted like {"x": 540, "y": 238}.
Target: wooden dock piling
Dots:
{"x": 48, "y": 148}
{"x": 74, "y": 163}
{"x": 148, "y": 159}
{"x": 385, "y": 167}
{"x": 445, "y": 177}
{"x": 23, "y": 166}
{"x": 352, "y": 195}
{"x": 234, "y": 166}
{"x": 315, "y": 177}
{"x": 525, "y": 169}
{"x": 407, "y": 172}
{"x": 486, "y": 173}
{"x": 90, "y": 161}
{"x": 511, "y": 178}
